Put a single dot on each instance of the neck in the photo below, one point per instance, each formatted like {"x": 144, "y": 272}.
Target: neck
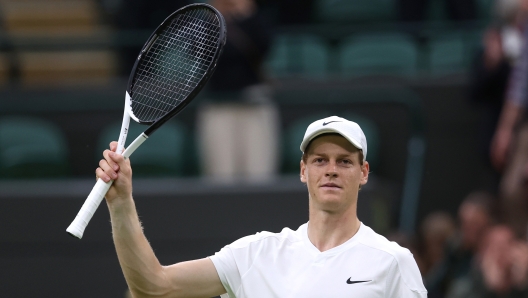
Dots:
{"x": 327, "y": 230}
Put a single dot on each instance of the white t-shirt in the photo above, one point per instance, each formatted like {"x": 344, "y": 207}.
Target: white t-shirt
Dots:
{"x": 288, "y": 265}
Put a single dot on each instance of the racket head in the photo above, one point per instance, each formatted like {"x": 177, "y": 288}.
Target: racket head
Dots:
{"x": 175, "y": 63}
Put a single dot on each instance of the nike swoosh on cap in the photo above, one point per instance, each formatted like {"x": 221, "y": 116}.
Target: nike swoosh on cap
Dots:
{"x": 326, "y": 123}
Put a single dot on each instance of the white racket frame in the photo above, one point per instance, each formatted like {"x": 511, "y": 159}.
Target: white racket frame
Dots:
{"x": 100, "y": 188}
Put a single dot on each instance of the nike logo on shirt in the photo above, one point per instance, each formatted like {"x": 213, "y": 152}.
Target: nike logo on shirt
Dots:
{"x": 355, "y": 281}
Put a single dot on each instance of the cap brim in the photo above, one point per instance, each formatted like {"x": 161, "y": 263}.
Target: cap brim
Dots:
{"x": 319, "y": 132}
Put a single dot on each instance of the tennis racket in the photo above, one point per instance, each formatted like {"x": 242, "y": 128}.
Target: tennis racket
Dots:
{"x": 172, "y": 67}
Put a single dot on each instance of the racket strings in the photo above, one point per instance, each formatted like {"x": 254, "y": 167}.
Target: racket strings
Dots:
{"x": 182, "y": 69}
{"x": 175, "y": 64}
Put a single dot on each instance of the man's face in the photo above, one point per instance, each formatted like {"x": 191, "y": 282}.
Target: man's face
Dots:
{"x": 333, "y": 173}
{"x": 473, "y": 223}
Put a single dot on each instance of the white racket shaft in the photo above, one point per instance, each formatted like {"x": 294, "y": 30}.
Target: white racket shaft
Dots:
{"x": 100, "y": 188}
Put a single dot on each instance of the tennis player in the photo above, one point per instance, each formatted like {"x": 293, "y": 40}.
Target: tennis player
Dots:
{"x": 333, "y": 255}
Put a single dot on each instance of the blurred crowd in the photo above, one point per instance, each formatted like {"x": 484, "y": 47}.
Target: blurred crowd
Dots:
{"x": 483, "y": 251}
{"x": 474, "y": 254}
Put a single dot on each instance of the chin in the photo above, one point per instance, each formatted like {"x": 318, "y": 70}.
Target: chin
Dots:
{"x": 331, "y": 202}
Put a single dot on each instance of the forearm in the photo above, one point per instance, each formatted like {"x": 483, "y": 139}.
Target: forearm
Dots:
{"x": 510, "y": 116}
{"x": 501, "y": 142}
{"x": 144, "y": 274}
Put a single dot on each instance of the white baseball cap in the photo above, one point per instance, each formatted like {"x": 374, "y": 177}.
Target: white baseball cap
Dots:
{"x": 348, "y": 129}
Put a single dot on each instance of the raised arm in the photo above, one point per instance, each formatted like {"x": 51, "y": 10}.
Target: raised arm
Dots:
{"x": 504, "y": 133}
{"x": 515, "y": 102}
{"x": 145, "y": 276}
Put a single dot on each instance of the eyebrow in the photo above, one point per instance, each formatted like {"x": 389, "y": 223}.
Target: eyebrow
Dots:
{"x": 323, "y": 154}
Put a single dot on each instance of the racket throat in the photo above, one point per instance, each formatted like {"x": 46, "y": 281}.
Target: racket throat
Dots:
{"x": 134, "y": 145}
{"x": 127, "y": 114}
{"x": 128, "y": 108}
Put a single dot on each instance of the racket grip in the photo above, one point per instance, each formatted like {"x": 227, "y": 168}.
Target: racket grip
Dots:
{"x": 93, "y": 201}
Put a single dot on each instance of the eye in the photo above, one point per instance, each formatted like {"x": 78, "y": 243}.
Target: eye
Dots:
{"x": 318, "y": 160}
{"x": 346, "y": 161}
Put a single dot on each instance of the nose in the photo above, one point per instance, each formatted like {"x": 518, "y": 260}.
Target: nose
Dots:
{"x": 331, "y": 169}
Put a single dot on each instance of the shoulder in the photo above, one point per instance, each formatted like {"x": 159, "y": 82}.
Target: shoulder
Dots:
{"x": 379, "y": 242}
{"x": 403, "y": 265}
{"x": 266, "y": 238}
{"x": 240, "y": 255}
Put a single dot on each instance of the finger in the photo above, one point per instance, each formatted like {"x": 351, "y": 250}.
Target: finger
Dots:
{"x": 110, "y": 157}
{"x": 100, "y": 174}
{"x": 113, "y": 146}
{"x": 107, "y": 169}
{"x": 118, "y": 159}
{"x": 122, "y": 162}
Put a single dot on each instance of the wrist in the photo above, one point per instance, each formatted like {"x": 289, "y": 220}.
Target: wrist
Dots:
{"x": 120, "y": 203}
{"x": 123, "y": 217}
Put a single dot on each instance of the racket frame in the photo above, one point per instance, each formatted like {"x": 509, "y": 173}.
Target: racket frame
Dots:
{"x": 154, "y": 125}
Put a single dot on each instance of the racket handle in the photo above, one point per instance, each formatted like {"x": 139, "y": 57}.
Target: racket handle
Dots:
{"x": 97, "y": 194}
{"x": 82, "y": 219}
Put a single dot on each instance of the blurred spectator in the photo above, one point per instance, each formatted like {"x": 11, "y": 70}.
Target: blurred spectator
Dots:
{"x": 238, "y": 123}
{"x": 417, "y": 10}
{"x": 500, "y": 269}
{"x": 475, "y": 216}
{"x": 436, "y": 230}
{"x": 509, "y": 145}
{"x": 501, "y": 48}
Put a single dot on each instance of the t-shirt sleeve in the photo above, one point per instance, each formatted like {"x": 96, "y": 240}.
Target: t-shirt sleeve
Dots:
{"x": 233, "y": 261}
{"x": 405, "y": 279}
{"x": 227, "y": 269}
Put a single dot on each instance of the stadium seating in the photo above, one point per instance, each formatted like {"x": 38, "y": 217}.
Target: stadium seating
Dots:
{"x": 66, "y": 67}
{"x": 53, "y": 42}
{"x": 473, "y": 42}
{"x": 346, "y": 11}
{"x": 452, "y": 51}
{"x": 166, "y": 153}
{"x": 58, "y": 16}
{"x": 484, "y": 9}
{"x": 298, "y": 55}
{"x": 437, "y": 10}
{"x": 378, "y": 54}
{"x": 447, "y": 54}
{"x": 32, "y": 148}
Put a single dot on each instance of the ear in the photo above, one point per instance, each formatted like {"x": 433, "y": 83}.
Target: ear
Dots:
{"x": 365, "y": 168}
{"x": 303, "y": 171}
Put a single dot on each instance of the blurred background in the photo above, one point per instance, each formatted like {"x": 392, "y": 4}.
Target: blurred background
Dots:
{"x": 438, "y": 86}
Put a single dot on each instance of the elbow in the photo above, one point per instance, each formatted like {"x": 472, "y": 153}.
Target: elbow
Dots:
{"x": 156, "y": 286}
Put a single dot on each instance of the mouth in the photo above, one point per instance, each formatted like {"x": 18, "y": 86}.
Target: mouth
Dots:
{"x": 330, "y": 185}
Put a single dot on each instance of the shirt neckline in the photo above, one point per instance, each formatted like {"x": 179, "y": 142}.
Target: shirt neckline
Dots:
{"x": 335, "y": 250}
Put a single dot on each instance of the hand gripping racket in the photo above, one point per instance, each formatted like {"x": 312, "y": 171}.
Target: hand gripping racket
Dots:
{"x": 172, "y": 67}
